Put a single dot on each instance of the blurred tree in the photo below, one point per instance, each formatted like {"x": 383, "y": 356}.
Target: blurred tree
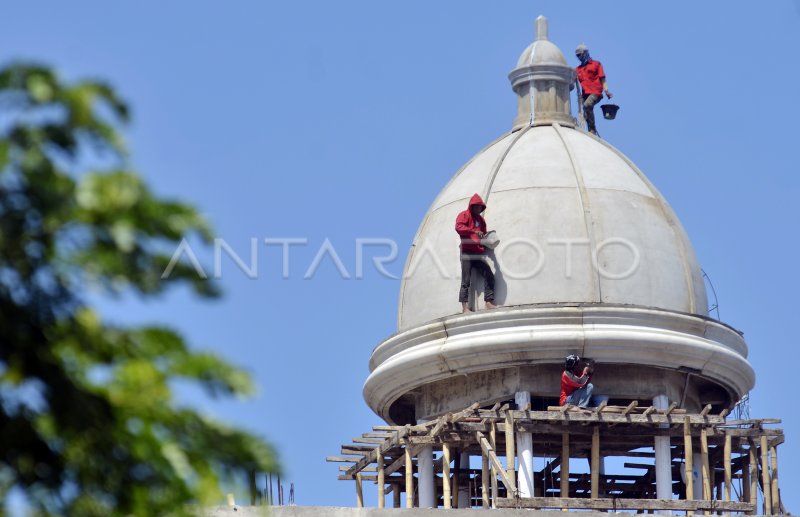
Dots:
{"x": 88, "y": 425}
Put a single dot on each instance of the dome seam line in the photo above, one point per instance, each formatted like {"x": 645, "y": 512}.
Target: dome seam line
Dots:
{"x": 687, "y": 274}
{"x": 487, "y": 188}
{"x": 585, "y": 206}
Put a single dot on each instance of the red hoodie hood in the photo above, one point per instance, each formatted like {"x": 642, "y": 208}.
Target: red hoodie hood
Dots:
{"x": 476, "y": 200}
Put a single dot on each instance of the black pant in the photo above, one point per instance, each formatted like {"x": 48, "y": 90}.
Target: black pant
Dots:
{"x": 477, "y": 262}
{"x": 589, "y": 100}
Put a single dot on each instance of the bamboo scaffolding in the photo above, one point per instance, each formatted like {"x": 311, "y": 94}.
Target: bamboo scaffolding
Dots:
{"x": 729, "y": 454}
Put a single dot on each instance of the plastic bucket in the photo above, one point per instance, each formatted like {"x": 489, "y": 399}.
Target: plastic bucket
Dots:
{"x": 609, "y": 111}
{"x": 490, "y": 240}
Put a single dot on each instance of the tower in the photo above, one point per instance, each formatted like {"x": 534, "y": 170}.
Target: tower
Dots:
{"x": 592, "y": 261}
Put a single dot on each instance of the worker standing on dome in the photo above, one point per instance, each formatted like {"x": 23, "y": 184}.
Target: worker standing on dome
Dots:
{"x": 471, "y": 227}
{"x": 593, "y": 84}
{"x": 576, "y": 389}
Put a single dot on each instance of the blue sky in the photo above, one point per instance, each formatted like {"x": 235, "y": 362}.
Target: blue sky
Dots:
{"x": 342, "y": 120}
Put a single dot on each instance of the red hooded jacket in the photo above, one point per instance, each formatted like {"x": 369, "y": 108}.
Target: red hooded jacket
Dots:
{"x": 467, "y": 225}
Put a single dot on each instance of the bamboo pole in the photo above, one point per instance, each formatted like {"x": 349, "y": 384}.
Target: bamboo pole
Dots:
{"x": 510, "y": 453}
{"x": 704, "y": 466}
{"x": 456, "y": 476}
{"x": 753, "y": 477}
{"x": 595, "y": 463}
{"x": 485, "y": 481}
{"x": 765, "y": 483}
{"x": 381, "y": 479}
{"x": 776, "y": 495}
{"x": 446, "y": 476}
{"x": 727, "y": 466}
{"x": 495, "y": 487}
{"x": 564, "y": 466}
{"x": 688, "y": 461}
{"x": 409, "y": 479}
{"x": 745, "y": 495}
{"x": 395, "y": 496}
{"x": 359, "y": 491}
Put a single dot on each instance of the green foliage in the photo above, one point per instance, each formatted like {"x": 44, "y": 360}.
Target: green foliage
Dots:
{"x": 88, "y": 423}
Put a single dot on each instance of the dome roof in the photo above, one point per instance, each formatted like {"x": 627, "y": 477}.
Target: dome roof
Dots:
{"x": 541, "y": 52}
{"x": 578, "y": 223}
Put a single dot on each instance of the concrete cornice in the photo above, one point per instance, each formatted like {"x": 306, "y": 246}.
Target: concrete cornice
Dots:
{"x": 490, "y": 340}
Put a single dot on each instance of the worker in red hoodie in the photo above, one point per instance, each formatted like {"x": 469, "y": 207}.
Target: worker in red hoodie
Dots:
{"x": 576, "y": 389}
{"x": 471, "y": 227}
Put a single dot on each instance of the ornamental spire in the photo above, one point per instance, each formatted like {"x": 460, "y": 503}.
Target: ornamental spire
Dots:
{"x": 542, "y": 81}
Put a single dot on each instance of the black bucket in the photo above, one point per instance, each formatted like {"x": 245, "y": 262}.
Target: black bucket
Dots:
{"x": 609, "y": 111}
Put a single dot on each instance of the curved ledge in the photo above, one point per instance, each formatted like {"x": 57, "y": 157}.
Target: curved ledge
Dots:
{"x": 509, "y": 337}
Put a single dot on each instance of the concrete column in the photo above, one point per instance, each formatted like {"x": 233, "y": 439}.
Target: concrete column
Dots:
{"x": 463, "y": 485}
{"x": 663, "y": 459}
{"x": 524, "y": 451}
{"x": 427, "y": 490}
{"x": 697, "y": 467}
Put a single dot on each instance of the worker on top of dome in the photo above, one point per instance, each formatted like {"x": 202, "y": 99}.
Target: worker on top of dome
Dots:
{"x": 593, "y": 84}
{"x": 471, "y": 227}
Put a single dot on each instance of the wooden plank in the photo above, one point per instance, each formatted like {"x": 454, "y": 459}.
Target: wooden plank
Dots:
{"x": 373, "y": 441}
{"x": 765, "y": 482}
{"x": 621, "y": 504}
{"x": 490, "y": 452}
{"x": 395, "y": 496}
{"x": 595, "y": 465}
{"x": 373, "y": 455}
{"x": 706, "y": 410}
{"x": 409, "y": 478}
{"x": 355, "y": 449}
{"x": 446, "y": 497}
{"x": 343, "y": 468}
{"x": 342, "y": 459}
{"x": 589, "y": 416}
{"x": 749, "y": 433}
{"x": 630, "y": 407}
{"x": 440, "y": 423}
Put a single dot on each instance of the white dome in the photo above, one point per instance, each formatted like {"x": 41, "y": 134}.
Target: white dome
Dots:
{"x": 591, "y": 261}
{"x": 551, "y": 189}
{"x": 541, "y": 52}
